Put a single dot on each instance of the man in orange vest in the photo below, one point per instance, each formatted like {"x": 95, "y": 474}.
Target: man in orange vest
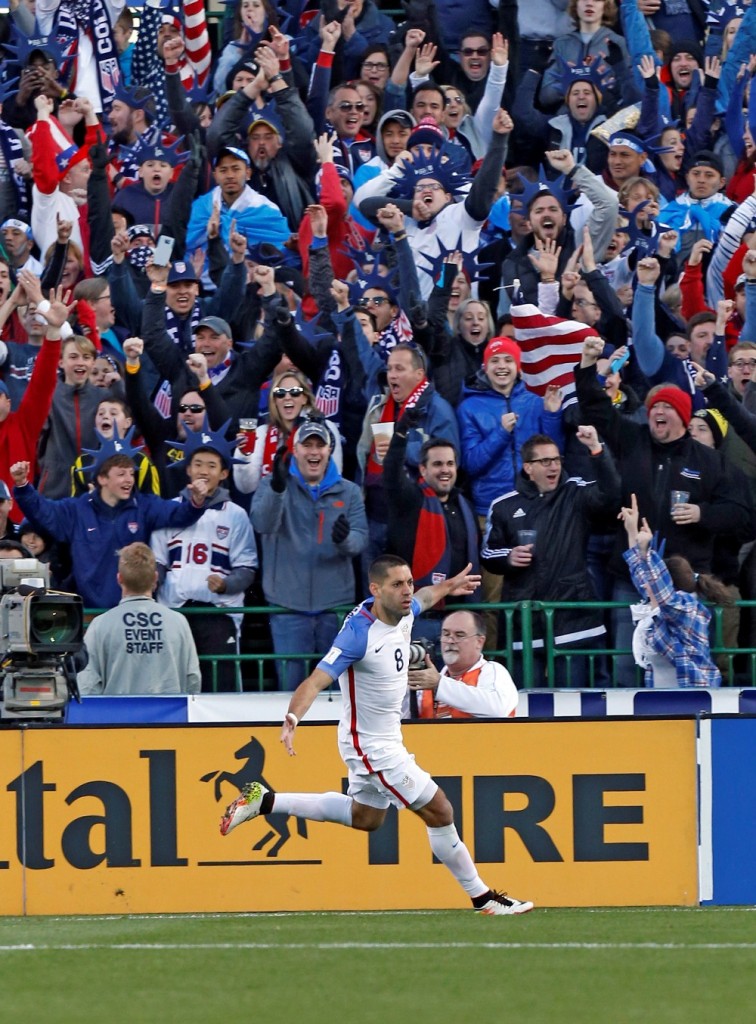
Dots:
{"x": 468, "y": 686}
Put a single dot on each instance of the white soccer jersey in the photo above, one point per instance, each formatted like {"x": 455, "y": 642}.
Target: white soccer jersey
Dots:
{"x": 447, "y": 227}
{"x": 370, "y": 660}
{"x": 221, "y": 540}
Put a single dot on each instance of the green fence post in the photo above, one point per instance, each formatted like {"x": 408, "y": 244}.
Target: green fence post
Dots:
{"x": 526, "y": 610}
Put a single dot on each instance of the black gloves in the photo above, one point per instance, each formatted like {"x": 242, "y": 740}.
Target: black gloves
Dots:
{"x": 410, "y": 418}
{"x": 196, "y": 149}
{"x": 418, "y": 311}
{"x": 275, "y": 307}
{"x": 340, "y": 529}
{"x": 99, "y": 156}
{"x": 280, "y": 474}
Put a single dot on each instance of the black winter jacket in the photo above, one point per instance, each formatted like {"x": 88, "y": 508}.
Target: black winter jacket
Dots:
{"x": 562, "y": 519}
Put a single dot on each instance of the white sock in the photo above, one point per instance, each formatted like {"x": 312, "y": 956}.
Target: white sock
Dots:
{"x": 452, "y": 852}
{"x": 315, "y": 806}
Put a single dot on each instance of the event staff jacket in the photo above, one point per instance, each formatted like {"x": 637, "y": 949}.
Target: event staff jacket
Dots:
{"x": 562, "y": 519}
{"x": 650, "y": 470}
{"x": 140, "y": 647}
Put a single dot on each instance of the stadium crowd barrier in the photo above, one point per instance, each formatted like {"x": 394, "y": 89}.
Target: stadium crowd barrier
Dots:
{"x": 257, "y": 666}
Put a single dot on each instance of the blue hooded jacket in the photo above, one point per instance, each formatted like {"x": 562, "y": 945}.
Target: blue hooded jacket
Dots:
{"x": 97, "y": 531}
{"x": 491, "y": 454}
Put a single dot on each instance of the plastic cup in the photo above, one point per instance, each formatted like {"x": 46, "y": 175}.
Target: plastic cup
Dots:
{"x": 382, "y": 430}
{"x": 526, "y": 536}
{"x": 678, "y": 498}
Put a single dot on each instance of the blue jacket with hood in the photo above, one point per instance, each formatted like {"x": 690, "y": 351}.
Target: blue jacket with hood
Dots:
{"x": 97, "y": 531}
{"x": 491, "y": 454}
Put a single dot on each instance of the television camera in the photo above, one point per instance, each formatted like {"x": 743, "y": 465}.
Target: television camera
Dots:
{"x": 41, "y": 642}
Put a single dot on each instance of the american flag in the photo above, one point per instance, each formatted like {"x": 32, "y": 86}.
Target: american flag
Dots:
{"x": 162, "y": 400}
{"x": 550, "y": 347}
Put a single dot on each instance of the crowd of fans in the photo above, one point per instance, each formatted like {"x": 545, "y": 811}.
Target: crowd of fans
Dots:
{"x": 311, "y": 283}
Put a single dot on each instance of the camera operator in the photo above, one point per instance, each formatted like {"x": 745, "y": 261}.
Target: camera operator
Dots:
{"x": 468, "y": 686}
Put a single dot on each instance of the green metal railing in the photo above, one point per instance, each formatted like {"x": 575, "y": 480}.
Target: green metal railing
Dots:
{"x": 516, "y": 622}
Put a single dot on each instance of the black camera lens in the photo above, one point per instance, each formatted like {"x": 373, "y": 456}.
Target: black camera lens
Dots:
{"x": 55, "y": 622}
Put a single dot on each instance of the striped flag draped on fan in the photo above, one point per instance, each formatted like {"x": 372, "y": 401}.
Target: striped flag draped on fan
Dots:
{"x": 550, "y": 347}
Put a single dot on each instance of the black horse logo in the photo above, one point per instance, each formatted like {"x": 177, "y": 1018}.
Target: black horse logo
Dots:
{"x": 252, "y": 756}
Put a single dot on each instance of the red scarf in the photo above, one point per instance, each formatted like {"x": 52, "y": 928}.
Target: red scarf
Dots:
{"x": 272, "y": 444}
{"x": 431, "y": 556}
{"x": 390, "y": 414}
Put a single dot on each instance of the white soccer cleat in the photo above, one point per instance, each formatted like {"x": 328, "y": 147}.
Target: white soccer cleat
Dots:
{"x": 246, "y": 806}
{"x": 500, "y": 903}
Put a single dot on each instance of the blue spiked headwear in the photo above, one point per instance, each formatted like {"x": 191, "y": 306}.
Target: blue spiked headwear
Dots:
{"x": 206, "y": 440}
{"x": 141, "y": 152}
{"x": 110, "y": 446}
{"x": 651, "y": 146}
{"x": 23, "y": 46}
{"x": 375, "y": 279}
{"x": 596, "y": 74}
{"x": 360, "y": 257}
{"x": 8, "y": 89}
{"x": 628, "y": 139}
{"x": 130, "y": 98}
{"x": 531, "y": 190}
{"x": 309, "y": 328}
{"x": 644, "y": 244}
{"x": 199, "y": 93}
{"x": 470, "y": 266}
{"x": 721, "y": 14}
{"x": 436, "y": 166}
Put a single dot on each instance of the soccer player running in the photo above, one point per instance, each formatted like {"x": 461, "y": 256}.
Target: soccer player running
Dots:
{"x": 370, "y": 657}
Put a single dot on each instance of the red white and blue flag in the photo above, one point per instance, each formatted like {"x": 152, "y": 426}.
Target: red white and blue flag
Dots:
{"x": 550, "y": 347}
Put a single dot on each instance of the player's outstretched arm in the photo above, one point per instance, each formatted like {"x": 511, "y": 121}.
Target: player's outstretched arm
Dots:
{"x": 463, "y": 583}
{"x": 300, "y": 703}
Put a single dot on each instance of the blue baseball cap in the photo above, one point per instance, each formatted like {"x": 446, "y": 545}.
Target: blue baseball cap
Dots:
{"x": 231, "y": 151}
{"x": 182, "y": 271}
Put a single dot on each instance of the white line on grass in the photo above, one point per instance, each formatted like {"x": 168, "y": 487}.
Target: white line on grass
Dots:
{"x": 64, "y": 947}
{"x": 230, "y": 915}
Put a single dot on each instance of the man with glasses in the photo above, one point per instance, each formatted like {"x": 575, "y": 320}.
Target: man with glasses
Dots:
{"x": 353, "y": 147}
{"x": 741, "y": 363}
{"x": 428, "y": 186}
{"x": 536, "y": 538}
{"x": 469, "y": 685}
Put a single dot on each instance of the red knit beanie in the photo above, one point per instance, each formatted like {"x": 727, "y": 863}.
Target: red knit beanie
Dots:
{"x": 505, "y": 345}
{"x": 676, "y": 397}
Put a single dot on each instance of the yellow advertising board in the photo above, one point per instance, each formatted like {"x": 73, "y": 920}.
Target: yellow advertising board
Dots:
{"x": 118, "y": 820}
{"x": 11, "y": 844}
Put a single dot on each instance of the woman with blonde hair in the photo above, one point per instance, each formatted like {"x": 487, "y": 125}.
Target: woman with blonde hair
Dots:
{"x": 291, "y": 401}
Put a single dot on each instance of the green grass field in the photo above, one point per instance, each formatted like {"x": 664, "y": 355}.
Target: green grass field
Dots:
{"x": 604, "y": 966}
